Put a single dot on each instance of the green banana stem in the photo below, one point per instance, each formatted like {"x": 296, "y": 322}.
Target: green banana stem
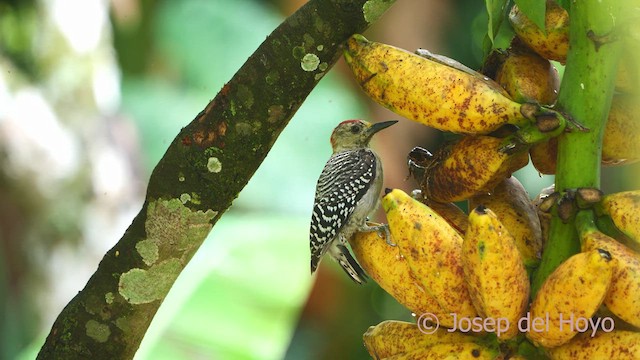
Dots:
{"x": 585, "y": 221}
{"x": 606, "y": 225}
{"x": 585, "y": 94}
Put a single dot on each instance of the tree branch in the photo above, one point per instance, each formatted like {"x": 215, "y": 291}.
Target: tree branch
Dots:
{"x": 203, "y": 170}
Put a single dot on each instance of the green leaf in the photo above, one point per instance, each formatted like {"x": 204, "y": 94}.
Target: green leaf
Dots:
{"x": 565, "y": 4}
{"x": 487, "y": 46}
{"x": 496, "y": 10}
{"x": 534, "y": 10}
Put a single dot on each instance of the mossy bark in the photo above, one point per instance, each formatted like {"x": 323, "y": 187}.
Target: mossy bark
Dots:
{"x": 202, "y": 172}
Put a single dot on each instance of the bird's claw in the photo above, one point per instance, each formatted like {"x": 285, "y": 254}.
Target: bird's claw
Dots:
{"x": 383, "y": 231}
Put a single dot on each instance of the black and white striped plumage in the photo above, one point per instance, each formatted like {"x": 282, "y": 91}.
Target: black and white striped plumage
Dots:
{"x": 346, "y": 194}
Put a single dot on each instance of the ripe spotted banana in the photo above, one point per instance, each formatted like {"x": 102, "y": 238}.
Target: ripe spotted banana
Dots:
{"x": 430, "y": 92}
{"x": 494, "y": 271}
{"x": 450, "y": 351}
{"x": 510, "y": 202}
{"x": 527, "y": 76}
{"x": 552, "y": 42}
{"x": 614, "y": 345}
{"x": 390, "y": 269}
{"x": 449, "y": 211}
{"x": 623, "y": 297}
{"x": 471, "y": 166}
{"x": 433, "y": 250}
{"x": 393, "y": 337}
{"x": 621, "y": 140}
{"x": 574, "y": 291}
{"x": 624, "y": 210}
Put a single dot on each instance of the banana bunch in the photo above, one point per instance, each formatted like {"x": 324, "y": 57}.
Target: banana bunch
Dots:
{"x": 479, "y": 276}
{"x": 603, "y": 279}
{"x": 446, "y": 277}
{"x": 441, "y": 93}
{"x": 465, "y": 278}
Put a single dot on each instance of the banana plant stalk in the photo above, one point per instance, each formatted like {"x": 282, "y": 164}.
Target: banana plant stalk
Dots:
{"x": 585, "y": 94}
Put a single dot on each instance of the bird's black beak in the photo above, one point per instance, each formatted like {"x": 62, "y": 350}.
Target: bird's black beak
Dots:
{"x": 381, "y": 125}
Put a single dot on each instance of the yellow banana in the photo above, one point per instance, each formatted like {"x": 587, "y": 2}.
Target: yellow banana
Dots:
{"x": 624, "y": 210}
{"x": 527, "y": 76}
{"x": 623, "y": 297}
{"x": 393, "y": 337}
{"x": 621, "y": 140}
{"x": 510, "y": 202}
{"x": 452, "y": 351}
{"x": 471, "y": 166}
{"x": 390, "y": 269}
{"x": 552, "y": 42}
{"x": 433, "y": 250}
{"x": 614, "y": 345}
{"x": 450, "y": 212}
{"x": 497, "y": 279}
{"x": 569, "y": 297}
{"x": 430, "y": 92}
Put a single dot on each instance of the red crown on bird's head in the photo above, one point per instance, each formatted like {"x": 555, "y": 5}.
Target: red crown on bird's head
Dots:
{"x": 343, "y": 124}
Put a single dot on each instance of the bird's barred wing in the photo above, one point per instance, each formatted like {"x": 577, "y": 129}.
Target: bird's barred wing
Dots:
{"x": 344, "y": 180}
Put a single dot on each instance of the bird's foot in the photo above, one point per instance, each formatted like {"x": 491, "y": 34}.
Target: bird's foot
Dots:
{"x": 383, "y": 232}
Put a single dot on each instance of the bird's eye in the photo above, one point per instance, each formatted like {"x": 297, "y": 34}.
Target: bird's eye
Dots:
{"x": 356, "y": 129}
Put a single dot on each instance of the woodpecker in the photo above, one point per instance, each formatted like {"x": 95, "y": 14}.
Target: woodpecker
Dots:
{"x": 348, "y": 191}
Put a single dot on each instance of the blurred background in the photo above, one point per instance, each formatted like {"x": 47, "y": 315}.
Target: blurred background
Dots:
{"x": 91, "y": 94}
